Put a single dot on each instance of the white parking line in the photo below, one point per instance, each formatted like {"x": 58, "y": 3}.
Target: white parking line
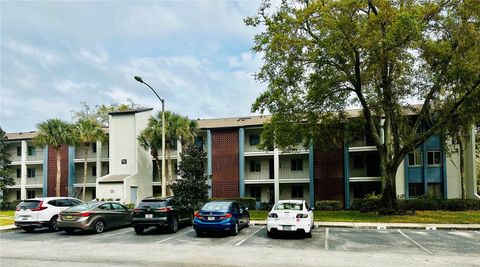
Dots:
{"x": 170, "y": 238}
{"x": 420, "y": 246}
{"x": 245, "y": 239}
{"x": 109, "y": 235}
{"x": 326, "y": 238}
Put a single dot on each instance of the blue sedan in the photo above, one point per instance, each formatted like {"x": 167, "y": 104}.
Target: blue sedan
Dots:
{"x": 228, "y": 216}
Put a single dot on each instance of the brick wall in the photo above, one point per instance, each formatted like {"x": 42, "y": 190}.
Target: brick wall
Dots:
{"x": 225, "y": 163}
{"x": 328, "y": 171}
{"x": 52, "y": 171}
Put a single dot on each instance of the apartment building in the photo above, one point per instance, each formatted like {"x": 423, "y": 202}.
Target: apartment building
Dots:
{"x": 120, "y": 169}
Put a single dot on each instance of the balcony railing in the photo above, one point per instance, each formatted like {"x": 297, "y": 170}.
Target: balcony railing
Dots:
{"x": 35, "y": 180}
{"x": 90, "y": 179}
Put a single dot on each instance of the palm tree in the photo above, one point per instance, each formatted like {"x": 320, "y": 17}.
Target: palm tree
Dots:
{"x": 88, "y": 130}
{"x": 55, "y": 133}
{"x": 177, "y": 127}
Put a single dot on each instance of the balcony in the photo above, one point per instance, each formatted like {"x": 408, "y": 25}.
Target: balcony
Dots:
{"x": 37, "y": 180}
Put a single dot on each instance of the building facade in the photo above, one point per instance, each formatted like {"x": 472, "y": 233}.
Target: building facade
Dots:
{"x": 120, "y": 169}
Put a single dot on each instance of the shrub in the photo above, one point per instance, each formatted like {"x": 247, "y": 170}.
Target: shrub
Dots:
{"x": 130, "y": 206}
{"x": 249, "y": 202}
{"x": 266, "y": 206}
{"x": 328, "y": 205}
{"x": 370, "y": 203}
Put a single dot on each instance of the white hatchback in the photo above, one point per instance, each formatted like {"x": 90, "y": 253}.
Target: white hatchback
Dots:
{"x": 290, "y": 216}
{"x": 42, "y": 212}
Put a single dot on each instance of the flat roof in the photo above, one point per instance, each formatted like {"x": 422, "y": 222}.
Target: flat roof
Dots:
{"x": 113, "y": 178}
{"x": 130, "y": 111}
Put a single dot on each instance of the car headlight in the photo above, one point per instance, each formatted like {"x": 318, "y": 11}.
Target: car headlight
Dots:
{"x": 272, "y": 215}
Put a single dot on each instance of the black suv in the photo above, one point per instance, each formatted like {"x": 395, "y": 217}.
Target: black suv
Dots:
{"x": 161, "y": 212}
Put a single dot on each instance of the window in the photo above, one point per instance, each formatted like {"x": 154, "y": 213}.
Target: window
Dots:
{"x": 19, "y": 151}
{"x": 94, "y": 147}
{"x": 297, "y": 191}
{"x": 31, "y": 151}
{"x": 297, "y": 164}
{"x": 357, "y": 162}
{"x": 30, "y": 172}
{"x": 256, "y": 192}
{"x": 106, "y": 207}
{"x": 30, "y": 194}
{"x": 254, "y": 139}
{"x": 19, "y": 173}
{"x": 19, "y": 195}
{"x": 118, "y": 207}
{"x": 175, "y": 168}
{"x": 415, "y": 189}
{"x": 435, "y": 190}
{"x": 199, "y": 143}
{"x": 173, "y": 144}
{"x": 434, "y": 158}
{"x": 94, "y": 170}
{"x": 307, "y": 207}
{"x": 255, "y": 165}
{"x": 415, "y": 158}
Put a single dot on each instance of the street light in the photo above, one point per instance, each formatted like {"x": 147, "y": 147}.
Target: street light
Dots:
{"x": 164, "y": 180}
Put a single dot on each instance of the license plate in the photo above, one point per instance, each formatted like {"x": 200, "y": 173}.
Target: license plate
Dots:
{"x": 24, "y": 218}
{"x": 211, "y": 218}
{"x": 148, "y": 216}
{"x": 68, "y": 217}
{"x": 286, "y": 228}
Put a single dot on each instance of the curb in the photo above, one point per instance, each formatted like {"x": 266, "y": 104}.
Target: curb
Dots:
{"x": 384, "y": 226}
{"x": 8, "y": 228}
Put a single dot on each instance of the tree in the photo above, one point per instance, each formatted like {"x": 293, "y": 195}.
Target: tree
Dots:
{"x": 5, "y": 171}
{"x": 322, "y": 57}
{"x": 55, "y": 133}
{"x": 100, "y": 112}
{"x": 192, "y": 188}
{"x": 88, "y": 131}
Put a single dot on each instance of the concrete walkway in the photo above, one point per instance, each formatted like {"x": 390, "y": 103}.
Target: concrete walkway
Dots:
{"x": 8, "y": 227}
{"x": 365, "y": 225}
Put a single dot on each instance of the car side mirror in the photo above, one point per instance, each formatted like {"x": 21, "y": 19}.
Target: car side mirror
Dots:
{"x": 246, "y": 208}
{"x": 312, "y": 208}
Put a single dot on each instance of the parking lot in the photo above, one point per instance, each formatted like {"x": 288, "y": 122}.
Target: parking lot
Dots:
{"x": 328, "y": 246}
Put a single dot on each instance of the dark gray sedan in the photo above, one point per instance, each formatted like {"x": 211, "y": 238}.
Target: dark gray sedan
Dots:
{"x": 96, "y": 216}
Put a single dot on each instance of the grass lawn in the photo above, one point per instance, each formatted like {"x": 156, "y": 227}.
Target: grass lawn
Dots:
{"x": 462, "y": 217}
{"x": 6, "y": 217}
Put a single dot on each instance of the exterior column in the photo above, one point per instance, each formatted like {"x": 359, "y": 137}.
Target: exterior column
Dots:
{"x": 346, "y": 173}
{"x": 98, "y": 160}
{"x": 179, "y": 150}
{"x": 470, "y": 170}
{"x": 276, "y": 174}
{"x": 311, "y": 175}
{"x": 45, "y": 172}
{"x": 241, "y": 165}
{"x": 209, "y": 162}
{"x": 71, "y": 171}
{"x": 23, "y": 170}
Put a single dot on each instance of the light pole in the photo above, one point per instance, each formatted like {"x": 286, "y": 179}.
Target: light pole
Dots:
{"x": 164, "y": 180}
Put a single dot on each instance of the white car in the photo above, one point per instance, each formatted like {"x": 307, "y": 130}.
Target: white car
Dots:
{"x": 42, "y": 212}
{"x": 290, "y": 216}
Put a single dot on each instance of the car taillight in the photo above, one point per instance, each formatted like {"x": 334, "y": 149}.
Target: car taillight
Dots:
{"x": 85, "y": 214}
{"x": 18, "y": 208}
{"x": 166, "y": 209}
{"x": 272, "y": 215}
{"x": 227, "y": 216}
{"x": 40, "y": 207}
{"x": 137, "y": 210}
{"x": 198, "y": 216}
{"x": 301, "y": 215}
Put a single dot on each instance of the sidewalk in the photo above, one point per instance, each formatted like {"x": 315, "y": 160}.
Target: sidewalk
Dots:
{"x": 364, "y": 225}
{"x": 7, "y": 227}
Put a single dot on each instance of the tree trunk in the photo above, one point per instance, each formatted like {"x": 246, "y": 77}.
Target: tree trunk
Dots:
{"x": 462, "y": 164}
{"x": 159, "y": 168}
{"x": 57, "y": 185}
{"x": 85, "y": 170}
{"x": 389, "y": 191}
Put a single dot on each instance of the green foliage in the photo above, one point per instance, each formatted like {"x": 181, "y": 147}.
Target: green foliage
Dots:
{"x": 55, "y": 132}
{"x": 100, "y": 112}
{"x": 328, "y": 205}
{"x": 5, "y": 171}
{"x": 370, "y": 203}
{"x": 130, "y": 205}
{"x": 248, "y": 202}
{"x": 192, "y": 187}
{"x": 321, "y": 57}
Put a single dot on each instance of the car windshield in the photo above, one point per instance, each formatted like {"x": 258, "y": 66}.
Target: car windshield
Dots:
{"x": 145, "y": 204}
{"x": 288, "y": 206}
{"x": 83, "y": 207}
{"x": 29, "y": 204}
{"x": 216, "y": 206}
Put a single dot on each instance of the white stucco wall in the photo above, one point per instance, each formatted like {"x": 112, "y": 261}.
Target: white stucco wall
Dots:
{"x": 110, "y": 190}
{"x": 123, "y": 141}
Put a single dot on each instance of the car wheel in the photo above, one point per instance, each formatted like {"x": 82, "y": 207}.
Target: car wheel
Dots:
{"x": 174, "y": 225}
{"x": 139, "y": 230}
{"x": 247, "y": 224}
{"x": 99, "y": 226}
{"x": 69, "y": 230}
{"x": 28, "y": 229}
{"x": 309, "y": 234}
{"x": 190, "y": 222}
{"x": 199, "y": 233}
{"x": 53, "y": 225}
{"x": 269, "y": 234}
{"x": 235, "y": 229}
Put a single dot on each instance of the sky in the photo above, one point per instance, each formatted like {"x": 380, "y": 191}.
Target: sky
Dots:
{"x": 57, "y": 54}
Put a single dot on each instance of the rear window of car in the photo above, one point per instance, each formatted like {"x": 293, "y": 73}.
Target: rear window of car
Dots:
{"x": 217, "y": 206}
{"x": 83, "y": 207}
{"x": 29, "y": 204}
{"x": 288, "y": 206}
{"x": 154, "y": 204}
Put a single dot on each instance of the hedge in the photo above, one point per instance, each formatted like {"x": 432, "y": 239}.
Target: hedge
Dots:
{"x": 372, "y": 204}
{"x": 249, "y": 202}
{"x": 328, "y": 205}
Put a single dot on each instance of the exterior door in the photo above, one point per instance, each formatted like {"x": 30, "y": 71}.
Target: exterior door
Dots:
{"x": 271, "y": 169}
{"x": 133, "y": 195}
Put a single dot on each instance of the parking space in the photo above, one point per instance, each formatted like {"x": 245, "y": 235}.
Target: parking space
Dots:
{"x": 326, "y": 239}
